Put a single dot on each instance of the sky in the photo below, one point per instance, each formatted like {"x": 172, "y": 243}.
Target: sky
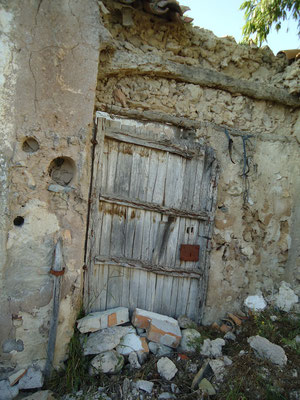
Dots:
{"x": 225, "y": 19}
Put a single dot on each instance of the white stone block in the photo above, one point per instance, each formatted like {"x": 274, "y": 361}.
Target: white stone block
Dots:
{"x": 255, "y": 303}
{"x": 109, "y": 362}
{"x": 286, "y": 298}
{"x": 190, "y": 340}
{"x": 103, "y": 319}
{"x": 166, "y": 368}
{"x": 132, "y": 342}
{"x": 146, "y": 386}
{"x": 267, "y": 350}
{"x": 160, "y": 328}
{"x": 104, "y": 340}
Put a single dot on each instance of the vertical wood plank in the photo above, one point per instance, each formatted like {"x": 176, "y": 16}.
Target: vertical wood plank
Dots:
{"x": 174, "y": 296}
{"x": 183, "y": 295}
{"x": 150, "y": 290}
{"x": 166, "y": 294}
{"x": 192, "y": 308}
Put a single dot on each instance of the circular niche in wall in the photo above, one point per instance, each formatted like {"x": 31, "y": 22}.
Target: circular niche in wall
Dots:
{"x": 18, "y": 221}
{"x": 30, "y": 145}
{"x": 62, "y": 170}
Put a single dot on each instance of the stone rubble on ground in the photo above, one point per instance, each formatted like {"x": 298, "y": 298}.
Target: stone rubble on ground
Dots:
{"x": 132, "y": 342}
{"x": 134, "y": 361}
{"x": 160, "y": 328}
{"x": 146, "y": 386}
{"x": 104, "y": 340}
{"x": 166, "y": 368}
{"x": 8, "y": 392}
{"x": 218, "y": 368}
{"x": 264, "y": 349}
{"x": 109, "y": 362}
{"x": 166, "y": 395}
{"x": 189, "y": 340}
{"x": 185, "y": 322}
{"x": 159, "y": 349}
{"x": 33, "y": 379}
{"x": 104, "y": 319}
{"x": 255, "y": 303}
{"x": 116, "y": 346}
{"x": 14, "y": 378}
{"x": 286, "y": 298}
{"x": 212, "y": 348}
{"x": 230, "y": 336}
{"x": 204, "y": 371}
{"x": 207, "y": 387}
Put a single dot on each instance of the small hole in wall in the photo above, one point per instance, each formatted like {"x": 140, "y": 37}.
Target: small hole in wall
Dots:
{"x": 18, "y": 221}
{"x": 62, "y": 170}
{"x": 30, "y": 145}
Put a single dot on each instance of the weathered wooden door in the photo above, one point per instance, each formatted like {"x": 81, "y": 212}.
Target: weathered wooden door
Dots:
{"x": 153, "y": 194}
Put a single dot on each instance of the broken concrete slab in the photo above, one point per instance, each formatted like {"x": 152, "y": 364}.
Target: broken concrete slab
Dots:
{"x": 132, "y": 342}
{"x": 33, "y": 379}
{"x": 166, "y": 368}
{"x": 8, "y": 392}
{"x": 286, "y": 297}
{"x": 267, "y": 350}
{"x": 105, "y": 319}
{"x": 212, "y": 348}
{"x": 104, "y": 340}
{"x": 160, "y": 328}
{"x": 109, "y": 362}
{"x": 190, "y": 340}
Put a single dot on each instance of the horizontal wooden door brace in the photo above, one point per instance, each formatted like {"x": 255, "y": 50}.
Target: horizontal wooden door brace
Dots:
{"x": 148, "y": 267}
{"x": 143, "y": 205}
{"x": 153, "y": 144}
{"x": 126, "y": 63}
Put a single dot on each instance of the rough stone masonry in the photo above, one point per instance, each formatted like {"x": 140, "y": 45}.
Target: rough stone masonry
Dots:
{"x": 59, "y": 61}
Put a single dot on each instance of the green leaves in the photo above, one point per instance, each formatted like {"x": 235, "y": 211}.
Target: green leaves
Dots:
{"x": 260, "y": 15}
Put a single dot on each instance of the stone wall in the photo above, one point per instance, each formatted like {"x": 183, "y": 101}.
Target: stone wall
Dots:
{"x": 255, "y": 243}
{"x": 48, "y": 77}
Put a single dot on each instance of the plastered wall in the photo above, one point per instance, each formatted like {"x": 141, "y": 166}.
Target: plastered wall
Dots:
{"x": 48, "y": 78}
{"x": 57, "y": 63}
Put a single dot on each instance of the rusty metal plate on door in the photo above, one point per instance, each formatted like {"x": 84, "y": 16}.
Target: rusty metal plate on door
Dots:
{"x": 189, "y": 252}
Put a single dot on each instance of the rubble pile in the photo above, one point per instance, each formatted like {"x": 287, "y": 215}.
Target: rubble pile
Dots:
{"x": 153, "y": 356}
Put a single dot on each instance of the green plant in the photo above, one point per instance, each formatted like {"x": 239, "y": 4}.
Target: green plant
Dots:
{"x": 265, "y": 326}
{"x": 75, "y": 374}
{"x": 261, "y": 15}
{"x": 235, "y": 391}
{"x": 292, "y": 344}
